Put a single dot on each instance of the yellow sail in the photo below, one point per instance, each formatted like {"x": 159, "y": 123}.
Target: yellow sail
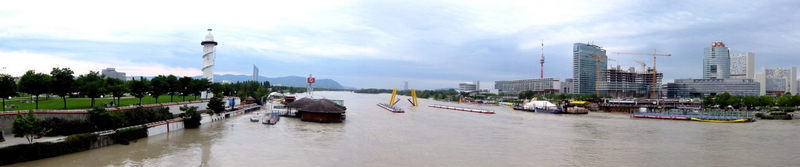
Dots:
{"x": 414, "y": 97}
{"x": 394, "y": 93}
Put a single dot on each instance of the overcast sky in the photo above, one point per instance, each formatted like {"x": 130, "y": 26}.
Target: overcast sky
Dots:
{"x": 380, "y": 44}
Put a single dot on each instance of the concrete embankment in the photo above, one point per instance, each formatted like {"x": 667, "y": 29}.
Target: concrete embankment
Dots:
{"x": 6, "y": 118}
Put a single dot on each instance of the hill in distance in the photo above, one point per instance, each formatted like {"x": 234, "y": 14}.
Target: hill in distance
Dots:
{"x": 293, "y": 81}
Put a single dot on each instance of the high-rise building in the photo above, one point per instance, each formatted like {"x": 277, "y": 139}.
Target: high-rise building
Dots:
{"x": 208, "y": 56}
{"x": 618, "y": 82}
{"x": 778, "y": 80}
{"x": 587, "y": 59}
{"x": 112, "y": 73}
{"x": 716, "y": 61}
{"x": 255, "y": 73}
{"x": 743, "y": 65}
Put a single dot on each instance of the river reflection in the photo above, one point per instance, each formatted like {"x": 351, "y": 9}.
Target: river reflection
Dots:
{"x": 426, "y": 136}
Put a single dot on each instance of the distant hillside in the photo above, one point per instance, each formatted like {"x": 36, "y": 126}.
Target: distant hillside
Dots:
{"x": 294, "y": 81}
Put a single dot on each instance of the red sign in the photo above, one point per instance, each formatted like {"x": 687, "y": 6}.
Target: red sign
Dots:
{"x": 311, "y": 80}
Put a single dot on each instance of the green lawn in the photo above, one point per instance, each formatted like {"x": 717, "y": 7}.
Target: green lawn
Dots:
{"x": 56, "y": 102}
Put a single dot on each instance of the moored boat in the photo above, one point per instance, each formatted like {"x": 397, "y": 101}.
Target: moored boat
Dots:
{"x": 272, "y": 119}
{"x": 721, "y": 121}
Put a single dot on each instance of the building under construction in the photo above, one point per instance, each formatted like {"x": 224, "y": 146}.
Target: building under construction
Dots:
{"x": 617, "y": 82}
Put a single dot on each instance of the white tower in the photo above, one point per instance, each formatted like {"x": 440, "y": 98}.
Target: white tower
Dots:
{"x": 208, "y": 56}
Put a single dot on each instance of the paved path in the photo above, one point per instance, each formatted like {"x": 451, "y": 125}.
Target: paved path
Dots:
{"x": 11, "y": 140}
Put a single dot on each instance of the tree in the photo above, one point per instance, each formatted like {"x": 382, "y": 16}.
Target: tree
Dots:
{"x": 722, "y": 99}
{"x": 34, "y": 84}
{"x": 173, "y": 86}
{"x": 734, "y": 101}
{"x": 28, "y": 126}
{"x": 216, "y": 105}
{"x": 766, "y": 101}
{"x": 526, "y": 94}
{"x": 91, "y": 85}
{"x": 216, "y": 88}
{"x": 63, "y": 83}
{"x": 116, "y": 87}
{"x": 199, "y": 86}
{"x": 191, "y": 116}
{"x": 8, "y": 88}
{"x": 159, "y": 86}
{"x": 139, "y": 88}
{"x": 750, "y": 102}
{"x": 185, "y": 86}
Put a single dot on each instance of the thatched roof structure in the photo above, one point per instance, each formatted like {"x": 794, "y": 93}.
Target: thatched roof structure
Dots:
{"x": 300, "y": 103}
{"x": 324, "y": 106}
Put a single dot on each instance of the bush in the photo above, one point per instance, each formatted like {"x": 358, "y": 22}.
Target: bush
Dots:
{"x": 124, "y": 136}
{"x": 105, "y": 120}
{"x": 28, "y": 152}
{"x": 62, "y": 127}
{"x": 775, "y": 115}
{"x": 191, "y": 117}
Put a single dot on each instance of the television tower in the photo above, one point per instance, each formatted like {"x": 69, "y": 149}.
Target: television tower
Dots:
{"x": 208, "y": 56}
{"x": 541, "y": 63}
{"x": 208, "y": 60}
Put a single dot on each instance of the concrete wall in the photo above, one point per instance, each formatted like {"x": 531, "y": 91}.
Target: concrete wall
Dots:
{"x": 6, "y": 119}
{"x": 162, "y": 127}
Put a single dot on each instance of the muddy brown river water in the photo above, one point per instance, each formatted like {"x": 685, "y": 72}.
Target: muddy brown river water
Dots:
{"x": 425, "y": 136}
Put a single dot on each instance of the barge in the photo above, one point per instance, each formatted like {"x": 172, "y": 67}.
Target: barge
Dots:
{"x": 482, "y": 111}
{"x": 391, "y": 108}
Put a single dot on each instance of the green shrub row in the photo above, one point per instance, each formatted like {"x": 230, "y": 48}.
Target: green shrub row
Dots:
{"x": 100, "y": 119}
{"x": 28, "y": 152}
{"x": 775, "y": 115}
{"x": 124, "y": 136}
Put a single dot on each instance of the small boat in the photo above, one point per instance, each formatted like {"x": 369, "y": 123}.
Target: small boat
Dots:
{"x": 391, "y": 108}
{"x": 542, "y": 107}
{"x": 254, "y": 119}
{"x": 549, "y": 110}
{"x": 721, "y": 121}
{"x": 272, "y": 119}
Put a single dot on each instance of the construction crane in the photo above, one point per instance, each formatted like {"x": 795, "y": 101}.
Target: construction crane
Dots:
{"x": 598, "y": 69}
{"x": 654, "y": 54}
{"x": 644, "y": 66}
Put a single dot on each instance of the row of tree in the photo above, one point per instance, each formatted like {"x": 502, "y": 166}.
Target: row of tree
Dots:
{"x": 63, "y": 83}
{"x": 750, "y": 102}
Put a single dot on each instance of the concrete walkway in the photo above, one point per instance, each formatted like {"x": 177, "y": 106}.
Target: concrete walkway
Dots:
{"x": 11, "y": 140}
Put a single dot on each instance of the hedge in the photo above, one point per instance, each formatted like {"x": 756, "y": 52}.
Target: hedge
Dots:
{"x": 35, "y": 151}
{"x": 124, "y": 136}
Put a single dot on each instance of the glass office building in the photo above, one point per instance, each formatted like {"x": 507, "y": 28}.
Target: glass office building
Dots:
{"x": 587, "y": 59}
{"x": 716, "y": 62}
{"x": 687, "y": 88}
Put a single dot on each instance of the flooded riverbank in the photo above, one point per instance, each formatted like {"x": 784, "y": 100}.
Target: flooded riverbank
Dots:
{"x": 424, "y": 136}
